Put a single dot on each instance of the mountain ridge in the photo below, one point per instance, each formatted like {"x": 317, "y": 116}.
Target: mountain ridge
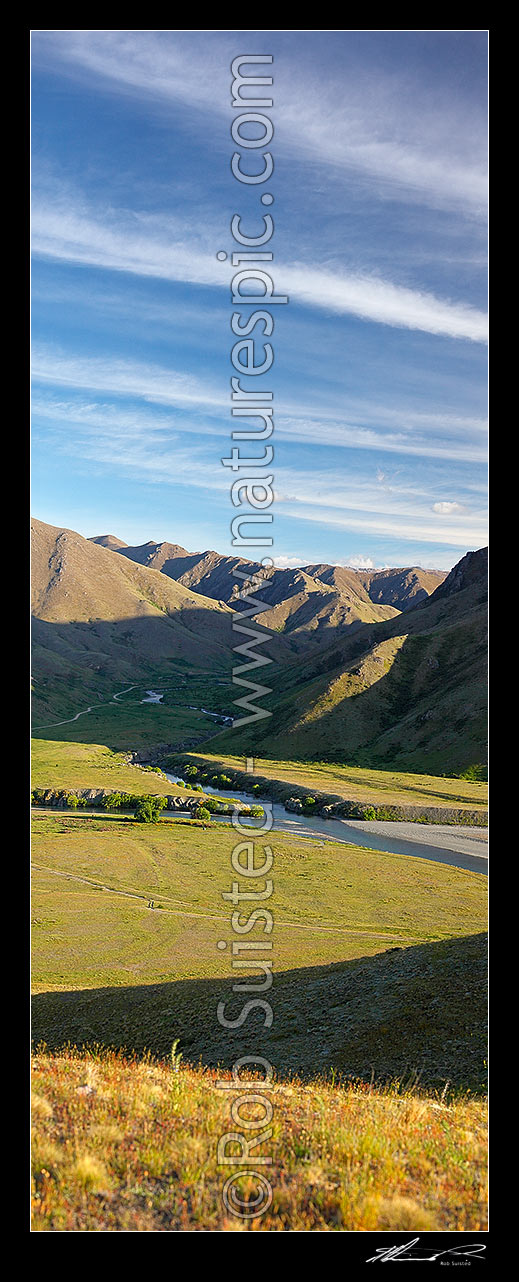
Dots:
{"x": 308, "y": 602}
{"x": 350, "y": 679}
{"x": 410, "y": 691}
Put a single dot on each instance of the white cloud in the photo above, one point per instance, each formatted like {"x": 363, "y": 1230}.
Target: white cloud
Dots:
{"x": 401, "y": 432}
{"x": 298, "y": 562}
{"x": 391, "y": 136}
{"x": 147, "y": 245}
{"x": 149, "y": 382}
{"x": 446, "y": 509}
{"x": 288, "y": 562}
{"x": 392, "y": 525}
{"x": 413, "y": 438}
{"x": 359, "y": 563}
{"x": 139, "y": 446}
{"x": 374, "y": 299}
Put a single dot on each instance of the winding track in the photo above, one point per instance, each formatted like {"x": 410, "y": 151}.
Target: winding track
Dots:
{"x": 49, "y": 725}
{"x": 188, "y": 912}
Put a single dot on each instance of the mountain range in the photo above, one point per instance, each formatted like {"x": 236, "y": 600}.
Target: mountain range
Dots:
{"x": 383, "y": 667}
{"x": 307, "y": 603}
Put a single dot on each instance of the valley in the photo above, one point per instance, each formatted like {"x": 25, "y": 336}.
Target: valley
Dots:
{"x": 378, "y": 839}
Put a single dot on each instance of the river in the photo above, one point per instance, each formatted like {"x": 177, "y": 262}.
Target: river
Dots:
{"x": 444, "y": 843}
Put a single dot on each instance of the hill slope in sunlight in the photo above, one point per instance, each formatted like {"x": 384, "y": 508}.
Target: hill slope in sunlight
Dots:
{"x": 131, "y": 1146}
{"x": 410, "y": 691}
{"x": 99, "y": 620}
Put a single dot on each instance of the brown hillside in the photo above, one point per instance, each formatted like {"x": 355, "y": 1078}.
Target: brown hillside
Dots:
{"x": 109, "y": 541}
{"x": 100, "y": 621}
{"x": 410, "y": 692}
{"x": 309, "y": 604}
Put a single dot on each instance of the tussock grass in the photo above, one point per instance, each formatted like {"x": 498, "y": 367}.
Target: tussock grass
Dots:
{"x": 137, "y": 1152}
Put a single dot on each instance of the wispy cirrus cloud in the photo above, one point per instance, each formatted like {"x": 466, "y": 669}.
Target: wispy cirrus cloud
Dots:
{"x": 408, "y": 435}
{"x": 372, "y": 428}
{"x": 120, "y": 440}
{"x": 391, "y": 525}
{"x": 148, "y": 245}
{"x": 148, "y": 382}
{"x": 394, "y": 137}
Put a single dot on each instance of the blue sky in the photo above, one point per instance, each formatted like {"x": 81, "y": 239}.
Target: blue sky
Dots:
{"x": 380, "y": 375}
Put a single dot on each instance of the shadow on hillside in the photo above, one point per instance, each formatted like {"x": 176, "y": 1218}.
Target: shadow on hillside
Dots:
{"x": 425, "y": 713}
{"x": 406, "y": 1013}
{"x": 145, "y": 638}
{"x": 83, "y": 664}
{"x": 77, "y": 664}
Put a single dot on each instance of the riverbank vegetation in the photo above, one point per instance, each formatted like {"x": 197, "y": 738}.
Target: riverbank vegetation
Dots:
{"x": 297, "y": 797}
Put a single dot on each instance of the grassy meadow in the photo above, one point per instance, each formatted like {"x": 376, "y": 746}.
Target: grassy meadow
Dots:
{"x": 373, "y": 938}
{"x": 59, "y": 764}
{"x": 356, "y": 783}
{"x": 377, "y": 1040}
{"x": 127, "y": 723}
{"x": 125, "y": 726}
{"x": 127, "y": 1146}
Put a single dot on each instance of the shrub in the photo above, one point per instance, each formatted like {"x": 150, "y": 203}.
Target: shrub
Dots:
{"x": 203, "y": 813}
{"x": 475, "y": 774}
{"x": 309, "y": 802}
{"x": 211, "y": 804}
{"x": 147, "y": 810}
{"x": 113, "y": 801}
{"x": 191, "y": 772}
{"x": 257, "y": 812}
{"x": 176, "y": 1056}
{"x": 72, "y": 801}
{"x": 369, "y": 813}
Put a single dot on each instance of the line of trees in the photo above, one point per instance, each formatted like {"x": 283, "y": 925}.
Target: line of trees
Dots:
{"x": 147, "y": 808}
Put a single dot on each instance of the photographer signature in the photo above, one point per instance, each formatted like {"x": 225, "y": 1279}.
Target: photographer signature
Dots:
{"x": 410, "y": 1251}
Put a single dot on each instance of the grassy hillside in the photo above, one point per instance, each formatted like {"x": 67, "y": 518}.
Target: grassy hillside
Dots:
{"x": 76, "y": 580}
{"x": 371, "y": 687}
{"x": 102, "y": 623}
{"x": 402, "y": 588}
{"x": 124, "y": 1146}
{"x": 58, "y": 764}
{"x": 376, "y": 787}
{"x": 409, "y": 693}
{"x": 125, "y": 725}
{"x": 379, "y": 963}
{"x": 212, "y": 574}
{"x": 309, "y": 603}
{"x": 309, "y": 612}
{"x": 108, "y": 969}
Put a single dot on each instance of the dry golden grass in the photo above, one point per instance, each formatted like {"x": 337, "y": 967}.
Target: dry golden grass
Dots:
{"x": 126, "y": 1145}
{"x": 354, "y": 783}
